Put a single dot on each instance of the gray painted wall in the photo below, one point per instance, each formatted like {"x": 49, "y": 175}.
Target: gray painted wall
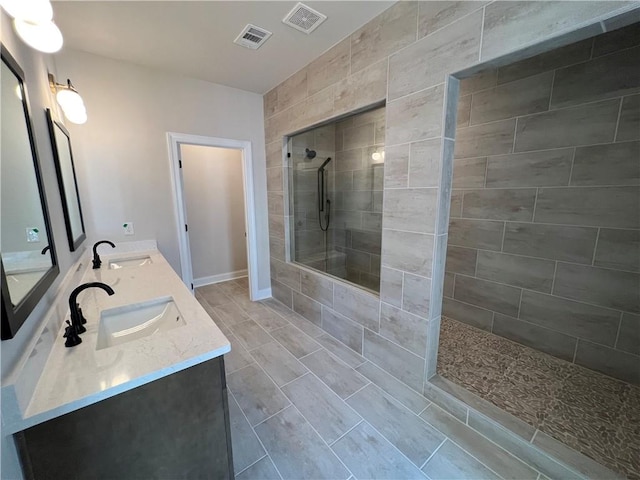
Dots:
{"x": 544, "y": 239}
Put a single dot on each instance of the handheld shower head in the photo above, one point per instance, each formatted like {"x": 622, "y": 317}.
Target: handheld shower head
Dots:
{"x": 311, "y": 154}
{"x": 324, "y": 164}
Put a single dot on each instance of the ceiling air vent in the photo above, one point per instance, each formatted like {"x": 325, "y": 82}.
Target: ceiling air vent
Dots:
{"x": 304, "y": 18}
{"x": 252, "y": 37}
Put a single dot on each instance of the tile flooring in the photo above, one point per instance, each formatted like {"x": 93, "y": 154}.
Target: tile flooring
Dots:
{"x": 590, "y": 412}
{"x": 304, "y": 406}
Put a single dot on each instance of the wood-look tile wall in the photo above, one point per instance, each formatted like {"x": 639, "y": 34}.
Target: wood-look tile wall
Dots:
{"x": 406, "y": 57}
{"x": 544, "y": 244}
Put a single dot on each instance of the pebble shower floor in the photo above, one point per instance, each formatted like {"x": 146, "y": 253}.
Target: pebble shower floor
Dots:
{"x": 594, "y": 414}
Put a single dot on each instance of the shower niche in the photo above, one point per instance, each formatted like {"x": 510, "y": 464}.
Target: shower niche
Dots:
{"x": 335, "y": 178}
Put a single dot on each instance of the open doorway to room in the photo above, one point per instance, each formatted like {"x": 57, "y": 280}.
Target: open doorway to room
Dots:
{"x": 214, "y": 206}
{"x": 214, "y": 202}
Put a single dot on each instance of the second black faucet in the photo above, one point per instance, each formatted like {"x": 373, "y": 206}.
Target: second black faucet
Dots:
{"x": 96, "y": 258}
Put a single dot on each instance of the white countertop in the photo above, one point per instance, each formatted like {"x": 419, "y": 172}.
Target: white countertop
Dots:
{"x": 79, "y": 376}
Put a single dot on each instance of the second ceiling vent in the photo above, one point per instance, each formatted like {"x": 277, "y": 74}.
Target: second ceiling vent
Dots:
{"x": 252, "y": 37}
{"x": 304, "y": 18}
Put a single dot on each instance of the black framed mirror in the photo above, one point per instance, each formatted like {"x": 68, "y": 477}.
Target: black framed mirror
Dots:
{"x": 28, "y": 261}
{"x": 67, "y": 182}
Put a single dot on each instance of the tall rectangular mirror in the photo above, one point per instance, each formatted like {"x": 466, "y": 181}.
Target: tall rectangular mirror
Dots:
{"x": 67, "y": 182}
{"x": 28, "y": 261}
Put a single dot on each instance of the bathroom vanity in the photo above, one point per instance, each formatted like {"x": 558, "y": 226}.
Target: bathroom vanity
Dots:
{"x": 143, "y": 396}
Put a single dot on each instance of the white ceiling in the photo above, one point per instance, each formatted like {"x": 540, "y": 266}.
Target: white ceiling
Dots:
{"x": 195, "y": 38}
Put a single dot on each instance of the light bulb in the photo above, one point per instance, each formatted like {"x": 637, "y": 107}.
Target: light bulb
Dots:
{"x": 45, "y": 37}
{"x": 76, "y": 115}
{"x": 378, "y": 157}
{"x": 32, "y": 11}
{"x": 69, "y": 100}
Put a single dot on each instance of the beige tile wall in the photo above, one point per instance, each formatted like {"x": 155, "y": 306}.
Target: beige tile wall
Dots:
{"x": 565, "y": 264}
{"x": 406, "y": 56}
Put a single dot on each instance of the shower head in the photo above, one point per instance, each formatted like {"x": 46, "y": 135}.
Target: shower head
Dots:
{"x": 310, "y": 153}
{"x": 324, "y": 164}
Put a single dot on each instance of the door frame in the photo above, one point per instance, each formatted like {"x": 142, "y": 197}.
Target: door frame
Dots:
{"x": 174, "y": 140}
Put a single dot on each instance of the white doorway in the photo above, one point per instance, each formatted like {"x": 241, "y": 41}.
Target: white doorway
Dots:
{"x": 218, "y": 233}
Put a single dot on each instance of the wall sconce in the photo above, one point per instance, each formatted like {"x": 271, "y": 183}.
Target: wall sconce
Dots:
{"x": 69, "y": 100}
{"x": 32, "y": 20}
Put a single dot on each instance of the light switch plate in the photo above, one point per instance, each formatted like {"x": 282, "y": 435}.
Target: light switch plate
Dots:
{"x": 127, "y": 228}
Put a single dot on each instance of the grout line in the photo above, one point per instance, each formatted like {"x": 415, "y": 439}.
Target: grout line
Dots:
{"x": 360, "y": 389}
{"x": 529, "y": 290}
{"x": 433, "y": 453}
{"x": 408, "y": 183}
{"x": 504, "y": 234}
{"x": 249, "y": 466}
{"x": 534, "y": 436}
{"x": 345, "y": 433}
{"x": 484, "y": 10}
{"x": 271, "y": 416}
{"x": 321, "y": 438}
{"x": 254, "y": 432}
{"x": 515, "y": 131}
{"x": 425, "y": 408}
{"x": 519, "y": 306}
{"x": 391, "y": 443}
{"x": 241, "y": 368}
{"x": 615, "y": 344}
{"x": 595, "y": 249}
{"x": 573, "y": 161}
{"x": 291, "y": 381}
{"x": 522, "y": 221}
{"x": 553, "y": 81}
{"x": 454, "y": 285}
{"x": 535, "y": 204}
{"x": 615, "y": 135}
{"x": 575, "y": 351}
{"x": 486, "y": 171}
{"x": 417, "y": 25}
{"x": 553, "y": 279}
{"x": 430, "y": 87}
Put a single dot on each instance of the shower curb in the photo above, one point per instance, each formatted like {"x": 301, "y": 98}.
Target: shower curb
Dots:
{"x": 537, "y": 449}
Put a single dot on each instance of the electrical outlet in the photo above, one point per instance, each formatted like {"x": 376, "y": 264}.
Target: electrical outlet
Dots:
{"x": 33, "y": 235}
{"x": 127, "y": 227}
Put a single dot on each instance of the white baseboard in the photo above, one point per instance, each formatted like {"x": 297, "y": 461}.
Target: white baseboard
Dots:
{"x": 222, "y": 277}
{"x": 262, "y": 294}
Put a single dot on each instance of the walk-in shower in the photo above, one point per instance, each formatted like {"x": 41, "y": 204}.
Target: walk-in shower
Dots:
{"x": 542, "y": 277}
{"x": 335, "y": 197}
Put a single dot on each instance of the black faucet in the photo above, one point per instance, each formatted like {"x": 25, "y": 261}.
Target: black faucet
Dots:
{"x": 96, "y": 258}
{"x": 75, "y": 325}
{"x": 45, "y": 249}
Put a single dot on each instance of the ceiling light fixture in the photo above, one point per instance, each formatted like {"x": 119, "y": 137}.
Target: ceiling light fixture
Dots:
{"x": 69, "y": 100}
{"x": 32, "y": 20}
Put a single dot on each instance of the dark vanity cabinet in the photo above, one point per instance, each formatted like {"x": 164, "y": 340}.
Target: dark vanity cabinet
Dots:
{"x": 174, "y": 427}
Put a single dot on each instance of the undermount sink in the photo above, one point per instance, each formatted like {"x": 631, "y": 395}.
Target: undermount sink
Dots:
{"x": 131, "y": 322}
{"x": 116, "y": 263}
